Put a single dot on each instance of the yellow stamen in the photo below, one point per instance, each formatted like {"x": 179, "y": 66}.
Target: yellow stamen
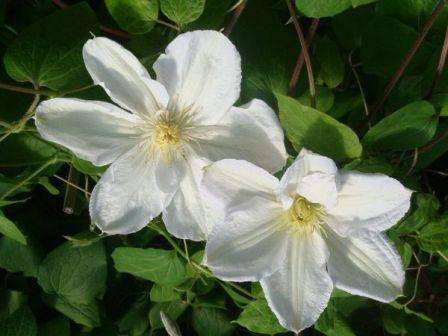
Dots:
{"x": 306, "y": 216}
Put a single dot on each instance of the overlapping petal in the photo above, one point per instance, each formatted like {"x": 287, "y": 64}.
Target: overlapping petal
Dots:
{"x": 251, "y": 132}
{"x": 249, "y": 244}
{"x": 133, "y": 190}
{"x": 228, "y": 183}
{"x": 185, "y": 216}
{"x": 202, "y": 72}
{"x": 312, "y": 176}
{"x": 299, "y": 291}
{"x": 366, "y": 265}
{"x": 95, "y": 131}
{"x": 123, "y": 77}
{"x": 373, "y": 202}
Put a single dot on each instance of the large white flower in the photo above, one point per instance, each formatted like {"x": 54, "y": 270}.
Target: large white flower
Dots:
{"x": 165, "y": 132}
{"x": 316, "y": 228}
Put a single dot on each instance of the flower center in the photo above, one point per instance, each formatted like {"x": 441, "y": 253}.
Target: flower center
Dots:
{"x": 167, "y": 134}
{"x": 306, "y": 216}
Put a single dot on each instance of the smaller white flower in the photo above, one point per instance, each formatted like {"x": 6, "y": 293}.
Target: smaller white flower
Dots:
{"x": 164, "y": 132}
{"x": 316, "y": 228}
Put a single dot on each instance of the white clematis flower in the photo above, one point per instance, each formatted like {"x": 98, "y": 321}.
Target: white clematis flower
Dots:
{"x": 164, "y": 132}
{"x": 315, "y": 229}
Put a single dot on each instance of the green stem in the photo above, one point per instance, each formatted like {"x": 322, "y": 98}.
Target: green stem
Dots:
{"x": 197, "y": 266}
{"x": 26, "y": 90}
{"x": 29, "y": 177}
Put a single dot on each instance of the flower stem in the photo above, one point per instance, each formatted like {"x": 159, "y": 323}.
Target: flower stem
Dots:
{"x": 26, "y": 90}
{"x": 201, "y": 269}
{"x": 29, "y": 177}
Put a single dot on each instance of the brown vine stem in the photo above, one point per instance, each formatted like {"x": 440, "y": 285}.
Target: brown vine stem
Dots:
{"x": 85, "y": 191}
{"x": 299, "y": 63}
{"x": 22, "y": 122}
{"x": 434, "y": 142}
{"x": 26, "y": 90}
{"x": 406, "y": 60}
{"x": 236, "y": 14}
{"x": 306, "y": 54}
{"x": 440, "y": 66}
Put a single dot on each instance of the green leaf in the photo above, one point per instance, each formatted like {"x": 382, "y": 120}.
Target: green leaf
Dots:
{"x": 16, "y": 257}
{"x": 135, "y": 320}
{"x": 74, "y": 277}
{"x": 424, "y": 209}
{"x": 211, "y": 321}
{"x": 331, "y": 65}
{"x": 85, "y": 313}
{"x": 19, "y": 323}
{"x": 10, "y": 301}
{"x": 258, "y": 317}
{"x": 182, "y": 11}
{"x": 48, "y": 53}
{"x": 324, "y": 99}
{"x": 134, "y": 16}
{"x": 308, "y": 128}
{"x": 160, "y": 266}
{"x": 407, "y": 128}
{"x": 172, "y": 309}
{"x": 434, "y": 236}
{"x": 384, "y": 44}
{"x": 322, "y": 8}
{"x": 161, "y": 293}
{"x": 266, "y": 70}
{"x": 10, "y": 230}
{"x": 23, "y": 149}
{"x": 59, "y": 326}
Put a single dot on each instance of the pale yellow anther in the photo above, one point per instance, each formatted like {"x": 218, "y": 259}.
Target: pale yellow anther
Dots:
{"x": 306, "y": 216}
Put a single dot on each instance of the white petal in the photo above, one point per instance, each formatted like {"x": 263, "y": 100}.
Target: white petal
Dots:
{"x": 312, "y": 176}
{"x": 201, "y": 70}
{"x": 373, "y": 202}
{"x": 95, "y": 131}
{"x": 133, "y": 191}
{"x": 299, "y": 291}
{"x": 249, "y": 244}
{"x": 228, "y": 183}
{"x": 123, "y": 77}
{"x": 367, "y": 265}
{"x": 251, "y": 132}
{"x": 185, "y": 216}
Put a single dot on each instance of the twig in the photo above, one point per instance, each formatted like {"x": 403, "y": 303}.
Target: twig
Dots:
{"x": 117, "y": 32}
{"x": 407, "y": 59}
{"x": 236, "y": 14}
{"x": 434, "y": 142}
{"x": 414, "y": 162}
{"x": 299, "y": 63}
{"x": 440, "y": 66}
{"x": 167, "y": 24}
{"x": 26, "y": 90}
{"x": 70, "y": 193}
{"x": 29, "y": 177}
{"x": 21, "y": 123}
{"x": 306, "y": 54}
{"x": 358, "y": 81}
{"x": 195, "y": 265}
{"x": 444, "y": 257}
{"x": 73, "y": 185}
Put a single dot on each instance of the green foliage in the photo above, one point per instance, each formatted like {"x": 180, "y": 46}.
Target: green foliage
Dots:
{"x": 136, "y": 16}
{"x": 409, "y": 127}
{"x": 74, "y": 277}
{"x": 43, "y": 52}
{"x": 61, "y": 277}
{"x": 306, "y": 127}
{"x": 322, "y": 8}
{"x": 258, "y": 318}
{"x": 182, "y": 11}
{"x": 10, "y": 230}
{"x": 160, "y": 266}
